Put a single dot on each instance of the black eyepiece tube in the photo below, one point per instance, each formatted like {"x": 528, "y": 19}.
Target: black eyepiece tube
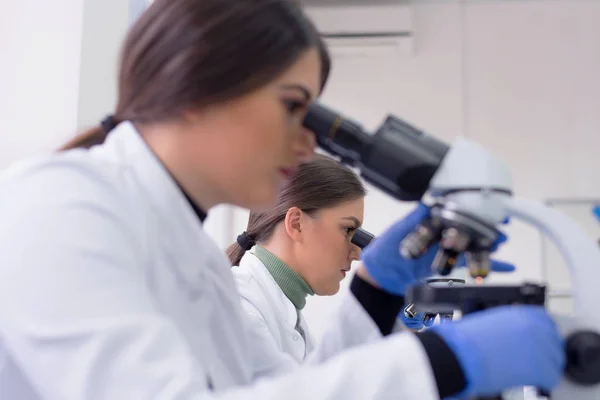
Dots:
{"x": 362, "y": 238}
{"x": 335, "y": 134}
{"x": 398, "y": 158}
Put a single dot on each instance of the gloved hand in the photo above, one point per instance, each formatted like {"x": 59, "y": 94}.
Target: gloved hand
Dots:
{"x": 505, "y": 347}
{"x": 394, "y": 273}
{"x": 416, "y": 323}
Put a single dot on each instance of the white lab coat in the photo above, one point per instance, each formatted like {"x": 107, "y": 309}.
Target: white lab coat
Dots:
{"x": 271, "y": 312}
{"x": 110, "y": 290}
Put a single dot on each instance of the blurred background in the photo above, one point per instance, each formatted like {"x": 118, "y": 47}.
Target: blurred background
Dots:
{"x": 521, "y": 77}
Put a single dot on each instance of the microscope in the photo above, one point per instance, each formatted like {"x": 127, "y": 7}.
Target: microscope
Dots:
{"x": 362, "y": 238}
{"x": 470, "y": 195}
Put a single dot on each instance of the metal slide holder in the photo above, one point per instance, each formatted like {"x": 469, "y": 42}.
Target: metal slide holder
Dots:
{"x": 445, "y": 315}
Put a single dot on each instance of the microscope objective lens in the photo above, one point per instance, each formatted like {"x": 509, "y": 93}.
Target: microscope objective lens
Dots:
{"x": 444, "y": 261}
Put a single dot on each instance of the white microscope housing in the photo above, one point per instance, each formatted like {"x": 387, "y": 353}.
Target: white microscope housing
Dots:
{"x": 472, "y": 181}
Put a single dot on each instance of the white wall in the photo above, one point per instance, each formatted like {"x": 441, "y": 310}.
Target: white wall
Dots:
{"x": 40, "y": 43}
{"x": 58, "y": 69}
{"x": 105, "y": 24}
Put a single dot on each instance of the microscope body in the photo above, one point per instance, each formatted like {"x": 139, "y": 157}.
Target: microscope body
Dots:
{"x": 469, "y": 192}
{"x": 472, "y": 193}
{"x": 466, "y": 195}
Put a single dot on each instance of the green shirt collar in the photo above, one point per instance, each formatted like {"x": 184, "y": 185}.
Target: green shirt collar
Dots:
{"x": 293, "y": 286}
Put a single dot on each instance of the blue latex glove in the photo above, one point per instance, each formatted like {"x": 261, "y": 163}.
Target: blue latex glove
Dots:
{"x": 505, "y": 347}
{"x": 596, "y": 211}
{"x": 416, "y": 323}
{"x": 395, "y": 274}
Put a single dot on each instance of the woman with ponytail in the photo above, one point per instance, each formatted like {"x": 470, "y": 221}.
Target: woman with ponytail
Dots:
{"x": 299, "y": 248}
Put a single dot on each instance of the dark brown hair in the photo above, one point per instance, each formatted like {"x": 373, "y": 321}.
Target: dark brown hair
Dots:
{"x": 320, "y": 184}
{"x": 185, "y": 54}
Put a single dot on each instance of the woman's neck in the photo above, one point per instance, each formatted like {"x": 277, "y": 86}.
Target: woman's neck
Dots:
{"x": 194, "y": 178}
{"x": 293, "y": 285}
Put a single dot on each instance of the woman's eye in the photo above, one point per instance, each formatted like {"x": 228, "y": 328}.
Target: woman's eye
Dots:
{"x": 350, "y": 231}
{"x": 293, "y": 106}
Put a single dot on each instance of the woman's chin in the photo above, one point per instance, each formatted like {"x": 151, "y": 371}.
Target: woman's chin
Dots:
{"x": 330, "y": 290}
{"x": 262, "y": 201}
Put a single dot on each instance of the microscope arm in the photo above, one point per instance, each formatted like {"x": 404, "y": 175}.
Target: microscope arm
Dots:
{"x": 581, "y": 329}
{"x": 474, "y": 192}
{"x": 580, "y": 252}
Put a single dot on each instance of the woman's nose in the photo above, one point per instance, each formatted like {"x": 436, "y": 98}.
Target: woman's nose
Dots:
{"x": 354, "y": 252}
{"x": 305, "y": 146}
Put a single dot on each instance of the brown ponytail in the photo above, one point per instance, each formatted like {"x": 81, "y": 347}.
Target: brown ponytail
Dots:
{"x": 92, "y": 136}
{"x": 319, "y": 184}
{"x": 235, "y": 253}
{"x": 243, "y": 243}
{"x": 86, "y": 139}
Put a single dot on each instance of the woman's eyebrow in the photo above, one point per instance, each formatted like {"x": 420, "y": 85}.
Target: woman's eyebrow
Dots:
{"x": 302, "y": 89}
{"x": 354, "y": 219}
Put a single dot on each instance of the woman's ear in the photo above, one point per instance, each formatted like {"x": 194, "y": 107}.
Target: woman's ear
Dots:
{"x": 293, "y": 223}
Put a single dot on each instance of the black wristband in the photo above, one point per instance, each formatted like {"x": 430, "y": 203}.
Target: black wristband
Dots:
{"x": 382, "y": 307}
{"x": 448, "y": 374}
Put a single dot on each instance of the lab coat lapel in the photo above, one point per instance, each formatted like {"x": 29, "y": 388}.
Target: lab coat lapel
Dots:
{"x": 182, "y": 231}
{"x": 200, "y": 267}
{"x": 278, "y": 302}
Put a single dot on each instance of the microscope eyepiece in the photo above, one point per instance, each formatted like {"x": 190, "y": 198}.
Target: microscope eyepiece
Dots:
{"x": 336, "y": 134}
{"x": 398, "y": 158}
{"x": 362, "y": 238}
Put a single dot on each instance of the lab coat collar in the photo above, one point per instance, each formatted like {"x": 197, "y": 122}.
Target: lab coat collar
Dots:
{"x": 186, "y": 244}
{"x": 273, "y": 293}
{"x": 293, "y": 286}
{"x": 163, "y": 191}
